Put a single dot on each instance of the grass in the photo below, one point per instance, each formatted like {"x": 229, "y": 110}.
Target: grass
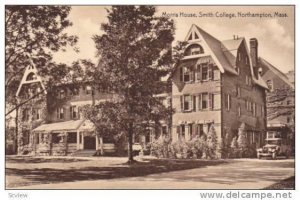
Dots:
{"x": 24, "y": 171}
{"x": 286, "y": 184}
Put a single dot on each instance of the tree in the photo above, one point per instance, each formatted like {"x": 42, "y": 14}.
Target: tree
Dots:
{"x": 32, "y": 35}
{"x": 212, "y": 142}
{"x": 242, "y": 137}
{"x": 135, "y": 52}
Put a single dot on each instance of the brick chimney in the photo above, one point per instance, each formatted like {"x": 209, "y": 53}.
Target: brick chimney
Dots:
{"x": 253, "y": 51}
{"x": 254, "y": 55}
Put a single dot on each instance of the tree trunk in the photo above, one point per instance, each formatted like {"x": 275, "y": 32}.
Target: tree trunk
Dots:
{"x": 130, "y": 152}
{"x": 16, "y": 132}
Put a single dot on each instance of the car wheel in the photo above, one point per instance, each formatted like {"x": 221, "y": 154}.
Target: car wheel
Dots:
{"x": 274, "y": 155}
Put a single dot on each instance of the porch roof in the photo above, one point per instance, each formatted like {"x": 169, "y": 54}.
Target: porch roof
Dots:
{"x": 60, "y": 126}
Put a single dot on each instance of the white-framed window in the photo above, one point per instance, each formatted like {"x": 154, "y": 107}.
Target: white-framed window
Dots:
{"x": 60, "y": 113}
{"x": 73, "y": 112}
{"x": 238, "y": 70}
{"x": 239, "y": 56}
{"x": 254, "y": 108}
{"x": 246, "y": 59}
{"x": 187, "y": 102}
{"x": 239, "y": 111}
{"x": 186, "y": 74}
{"x": 187, "y": 105}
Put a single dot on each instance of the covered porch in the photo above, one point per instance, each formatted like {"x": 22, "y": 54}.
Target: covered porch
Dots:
{"x": 65, "y": 138}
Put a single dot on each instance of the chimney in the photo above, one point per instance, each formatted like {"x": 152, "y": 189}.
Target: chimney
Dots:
{"x": 253, "y": 52}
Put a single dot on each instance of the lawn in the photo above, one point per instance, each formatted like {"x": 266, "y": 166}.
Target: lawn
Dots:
{"x": 24, "y": 171}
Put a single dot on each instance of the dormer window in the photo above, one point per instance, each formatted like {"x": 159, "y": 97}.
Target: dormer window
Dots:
{"x": 31, "y": 76}
{"x": 194, "y": 49}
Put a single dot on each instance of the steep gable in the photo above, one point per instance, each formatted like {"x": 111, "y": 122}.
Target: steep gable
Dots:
{"x": 30, "y": 76}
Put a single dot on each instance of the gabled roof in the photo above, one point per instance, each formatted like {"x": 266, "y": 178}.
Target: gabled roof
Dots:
{"x": 216, "y": 47}
{"x": 230, "y": 49}
{"x": 276, "y": 71}
{"x": 232, "y": 44}
{"x": 29, "y": 70}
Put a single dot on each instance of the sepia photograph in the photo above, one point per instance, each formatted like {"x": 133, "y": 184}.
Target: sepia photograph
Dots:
{"x": 111, "y": 97}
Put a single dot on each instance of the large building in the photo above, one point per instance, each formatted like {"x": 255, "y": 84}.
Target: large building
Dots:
{"x": 218, "y": 83}
{"x": 52, "y": 123}
{"x": 280, "y": 102}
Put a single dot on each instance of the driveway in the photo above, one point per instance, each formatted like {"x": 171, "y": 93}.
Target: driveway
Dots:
{"x": 232, "y": 174}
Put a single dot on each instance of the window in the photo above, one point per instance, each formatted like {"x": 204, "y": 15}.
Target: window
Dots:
{"x": 88, "y": 90}
{"x": 198, "y": 72}
{"x": 61, "y": 94}
{"x": 239, "y": 111}
{"x": 56, "y": 138}
{"x": 228, "y": 101}
{"x": 238, "y": 91}
{"x": 194, "y": 49}
{"x": 254, "y": 109}
{"x": 204, "y": 72}
{"x": 37, "y": 113}
{"x": 204, "y": 101}
{"x": 37, "y": 138}
{"x": 31, "y": 76}
{"x": 246, "y": 59}
{"x": 73, "y": 112}
{"x": 186, "y": 75}
{"x": 238, "y": 70}
{"x": 26, "y": 115}
{"x": 181, "y": 131}
{"x": 262, "y": 111}
{"x": 72, "y": 137}
{"x": 239, "y": 56}
{"x": 247, "y": 80}
{"x": 200, "y": 130}
{"x": 164, "y": 131}
{"x": 187, "y": 105}
{"x": 60, "y": 113}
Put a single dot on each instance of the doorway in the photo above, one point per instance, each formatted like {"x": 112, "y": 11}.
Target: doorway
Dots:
{"x": 89, "y": 142}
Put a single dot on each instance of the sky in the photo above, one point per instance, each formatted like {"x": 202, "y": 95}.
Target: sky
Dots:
{"x": 275, "y": 34}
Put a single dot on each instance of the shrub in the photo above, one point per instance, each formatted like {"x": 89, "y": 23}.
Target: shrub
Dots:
{"x": 211, "y": 142}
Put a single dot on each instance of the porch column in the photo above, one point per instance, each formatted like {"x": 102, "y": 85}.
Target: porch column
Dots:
{"x": 78, "y": 140}
{"x": 97, "y": 141}
{"x": 82, "y": 140}
{"x": 101, "y": 145}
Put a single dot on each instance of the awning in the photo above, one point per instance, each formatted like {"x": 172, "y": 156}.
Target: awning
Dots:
{"x": 60, "y": 126}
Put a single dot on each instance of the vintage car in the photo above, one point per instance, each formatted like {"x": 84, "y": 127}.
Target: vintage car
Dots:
{"x": 274, "y": 147}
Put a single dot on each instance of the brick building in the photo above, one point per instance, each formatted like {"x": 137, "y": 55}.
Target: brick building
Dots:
{"x": 280, "y": 101}
{"x": 218, "y": 83}
{"x": 51, "y": 123}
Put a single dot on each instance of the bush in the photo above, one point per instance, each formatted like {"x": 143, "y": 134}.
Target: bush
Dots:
{"x": 194, "y": 148}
